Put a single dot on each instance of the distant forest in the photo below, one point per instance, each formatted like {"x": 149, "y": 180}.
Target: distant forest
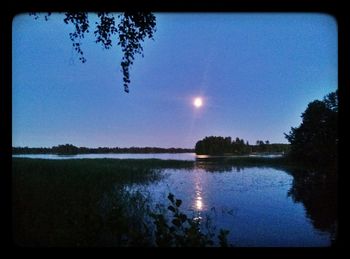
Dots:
{"x": 216, "y": 145}
{"x": 69, "y": 149}
{"x": 209, "y": 145}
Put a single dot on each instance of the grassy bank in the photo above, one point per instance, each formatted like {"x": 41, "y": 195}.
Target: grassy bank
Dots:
{"x": 58, "y": 202}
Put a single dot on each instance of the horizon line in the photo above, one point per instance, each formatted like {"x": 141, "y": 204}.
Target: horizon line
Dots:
{"x": 131, "y": 146}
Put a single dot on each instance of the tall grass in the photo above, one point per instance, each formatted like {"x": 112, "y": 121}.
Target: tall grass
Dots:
{"x": 57, "y": 203}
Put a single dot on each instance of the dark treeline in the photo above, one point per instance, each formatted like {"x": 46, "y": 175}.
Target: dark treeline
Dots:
{"x": 71, "y": 149}
{"x": 216, "y": 145}
{"x": 266, "y": 147}
{"x": 315, "y": 141}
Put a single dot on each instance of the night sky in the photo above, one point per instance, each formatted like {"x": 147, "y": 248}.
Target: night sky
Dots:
{"x": 256, "y": 73}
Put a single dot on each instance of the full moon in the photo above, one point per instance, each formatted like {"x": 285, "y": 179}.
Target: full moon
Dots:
{"x": 198, "y": 102}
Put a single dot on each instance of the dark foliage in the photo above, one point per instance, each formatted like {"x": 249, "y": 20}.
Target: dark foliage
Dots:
{"x": 81, "y": 24}
{"x": 70, "y": 149}
{"x": 59, "y": 202}
{"x": 315, "y": 141}
{"x": 65, "y": 149}
{"x": 266, "y": 147}
{"x": 214, "y": 145}
{"x": 132, "y": 29}
{"x": 183, "y": 231}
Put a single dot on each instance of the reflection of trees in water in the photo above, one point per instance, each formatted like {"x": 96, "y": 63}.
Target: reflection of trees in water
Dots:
{"x": 316, "y": 190}
{"x": 318, "y": 193}
{"x": 218, "y": 166}
{"x": 214, "y": 167}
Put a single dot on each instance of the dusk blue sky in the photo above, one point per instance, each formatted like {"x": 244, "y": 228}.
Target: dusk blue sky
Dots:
{"x": 255, "y": 72}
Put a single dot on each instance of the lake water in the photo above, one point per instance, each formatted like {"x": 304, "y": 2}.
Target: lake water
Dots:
{"x": 253, "y": 203}
{"x": 261, "y": 206}
{"x": 165, "y": 156}
{"x": 176, "y": 156}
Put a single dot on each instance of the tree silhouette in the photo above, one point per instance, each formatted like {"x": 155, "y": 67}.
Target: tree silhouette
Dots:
{"x": 131, "y": 30}
{"x": 216, "y": 145}
{"x": 315, "y": 141}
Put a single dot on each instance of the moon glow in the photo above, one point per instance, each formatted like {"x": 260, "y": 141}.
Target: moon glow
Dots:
{"x": 198, "y": 102}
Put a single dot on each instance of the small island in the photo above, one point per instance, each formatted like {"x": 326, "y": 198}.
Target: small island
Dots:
{"x": 225, "y": 146}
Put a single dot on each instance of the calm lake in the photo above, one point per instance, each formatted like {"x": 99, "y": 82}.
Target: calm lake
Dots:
{"x": 261, "y": 206}
{"x": 253, "y": 203}
{"x": 165, "y": 156}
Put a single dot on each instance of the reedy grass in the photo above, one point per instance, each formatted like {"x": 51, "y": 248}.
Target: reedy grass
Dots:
{"x": 56, "y": 202}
